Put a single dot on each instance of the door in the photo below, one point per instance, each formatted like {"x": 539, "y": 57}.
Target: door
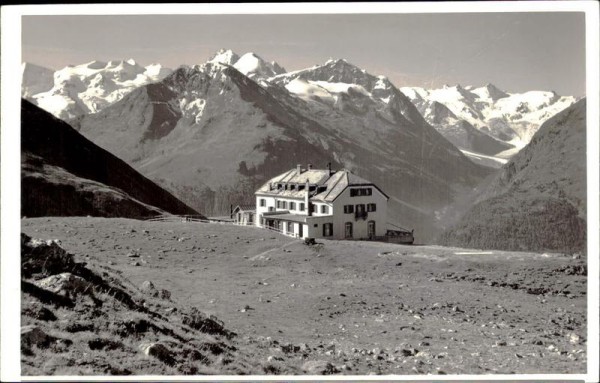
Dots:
{"x": 348, "y": 230}
{"x": 371, "y": 229}
{"x": 300, "y": 230}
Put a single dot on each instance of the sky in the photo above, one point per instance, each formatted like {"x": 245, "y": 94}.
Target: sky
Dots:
{"x": 516, "y": 52}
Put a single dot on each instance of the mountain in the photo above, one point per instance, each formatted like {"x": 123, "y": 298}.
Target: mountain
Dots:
{"x": 250, "y": 64}
{"x": 538, "y": 200}
{"x": 255, "y": 67}
{"x": 486, "y": 121}
{"x": 87, "y": 88}
{"x": 63, "y": 173}
{"x": 35, "y": 79}
{"x": 224, "y": 56}
{"x": 212, "y": 135}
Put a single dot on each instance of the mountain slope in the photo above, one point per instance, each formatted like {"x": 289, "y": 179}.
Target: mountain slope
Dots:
{"x": 538, "y": 201}
{"x": 89, "y": 87}
{"x": 209, "y": 132}
{"x": 62, "y": 173}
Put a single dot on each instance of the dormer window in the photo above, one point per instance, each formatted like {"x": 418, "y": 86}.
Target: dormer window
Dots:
{"x": 361, "y": 192}
{"x": 300, "y": 187}
{"x": 312, "y": 188}
{"x": 279, "y": 186}
{"x": 292, "y": 187}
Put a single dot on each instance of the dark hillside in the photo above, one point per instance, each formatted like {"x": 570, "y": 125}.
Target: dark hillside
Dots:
{"x": 538, "y": 200}
{"x": 63, "y": 173}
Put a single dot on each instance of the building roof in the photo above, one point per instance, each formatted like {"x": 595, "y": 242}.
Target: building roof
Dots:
{"x": 334, "y": 181}
{"x": 289, "y": 217}
{"x": 245, "y": 207}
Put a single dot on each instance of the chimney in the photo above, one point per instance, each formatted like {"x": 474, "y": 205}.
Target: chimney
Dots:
{"x": 309, "y": 166}
{"x": 307, "y": 198}
{"x": 329, "y": 167}
{"x": 299, "y": 169}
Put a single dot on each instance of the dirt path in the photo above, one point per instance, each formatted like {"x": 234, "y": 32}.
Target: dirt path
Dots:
{"x": 371, "y": 307}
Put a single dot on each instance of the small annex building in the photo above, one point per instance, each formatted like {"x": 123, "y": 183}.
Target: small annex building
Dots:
{"x": 244, "y": 214}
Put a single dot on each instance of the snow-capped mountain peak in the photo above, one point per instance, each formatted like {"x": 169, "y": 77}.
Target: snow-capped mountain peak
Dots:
{"x": 249, "y": 64}
{"x": 254, "y": 66}
{"x": 490, "y": 92}
{"x": 224, "y": 56}
{"x": 87, "y": 88}
{"x": 508, "y": 118}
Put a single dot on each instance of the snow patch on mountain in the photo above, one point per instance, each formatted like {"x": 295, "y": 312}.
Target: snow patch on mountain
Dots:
{"x": 90, "y": 87}
{"x": 510, "y": 118}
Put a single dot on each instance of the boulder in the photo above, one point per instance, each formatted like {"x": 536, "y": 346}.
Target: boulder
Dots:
{"x": 34, "y": 336}
{"x": 319, "y": 367}
{"x": 164, "y": 294}
{"x": 149, "y": 289}
{"x": 65, "y": 284}
{"x": 43, "y": 257}
{"x": 158, "y": 351}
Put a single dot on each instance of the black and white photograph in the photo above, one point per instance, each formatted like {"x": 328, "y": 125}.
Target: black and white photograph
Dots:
{"x": 385, "y": 190}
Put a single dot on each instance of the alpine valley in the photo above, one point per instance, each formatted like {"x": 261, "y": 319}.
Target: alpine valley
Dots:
{"x": 212, "y": 133}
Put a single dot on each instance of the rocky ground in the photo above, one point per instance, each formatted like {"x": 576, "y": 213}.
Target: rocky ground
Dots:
{"x": 286, "y": 308}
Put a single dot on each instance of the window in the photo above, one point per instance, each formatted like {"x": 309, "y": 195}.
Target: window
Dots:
{"x": 316, "y": 225}
{"x": 360, "y": 212}
{"x": 278, "y": 204}
{"x": 292, "y": 187}
{"x": 279, "y": 186}
{"x": 324, "y": 209}
{"x": 348, "y": 231}
{"x": 312, "y": 188}
{"x": 250, "y": 218}
{"x": 271, "y": 208}
{"x": 361, "y": 192}
{"x": 327, "y": 229}
{"x": 300, "y": 187}
{"x": 292, "y": 205}
{"x": 348, "y": 209}
{"x": 371, "y": 229}
{"x": 263, "y": 202}
{"x": 301, "y": 206}
{"x": 283, "y": 205}
{"x": 371, "y": 207}
{"x": 290, "y": 227}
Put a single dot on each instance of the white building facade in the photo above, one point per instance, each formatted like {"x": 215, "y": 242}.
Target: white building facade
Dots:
{"x": 317, "y": 203}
